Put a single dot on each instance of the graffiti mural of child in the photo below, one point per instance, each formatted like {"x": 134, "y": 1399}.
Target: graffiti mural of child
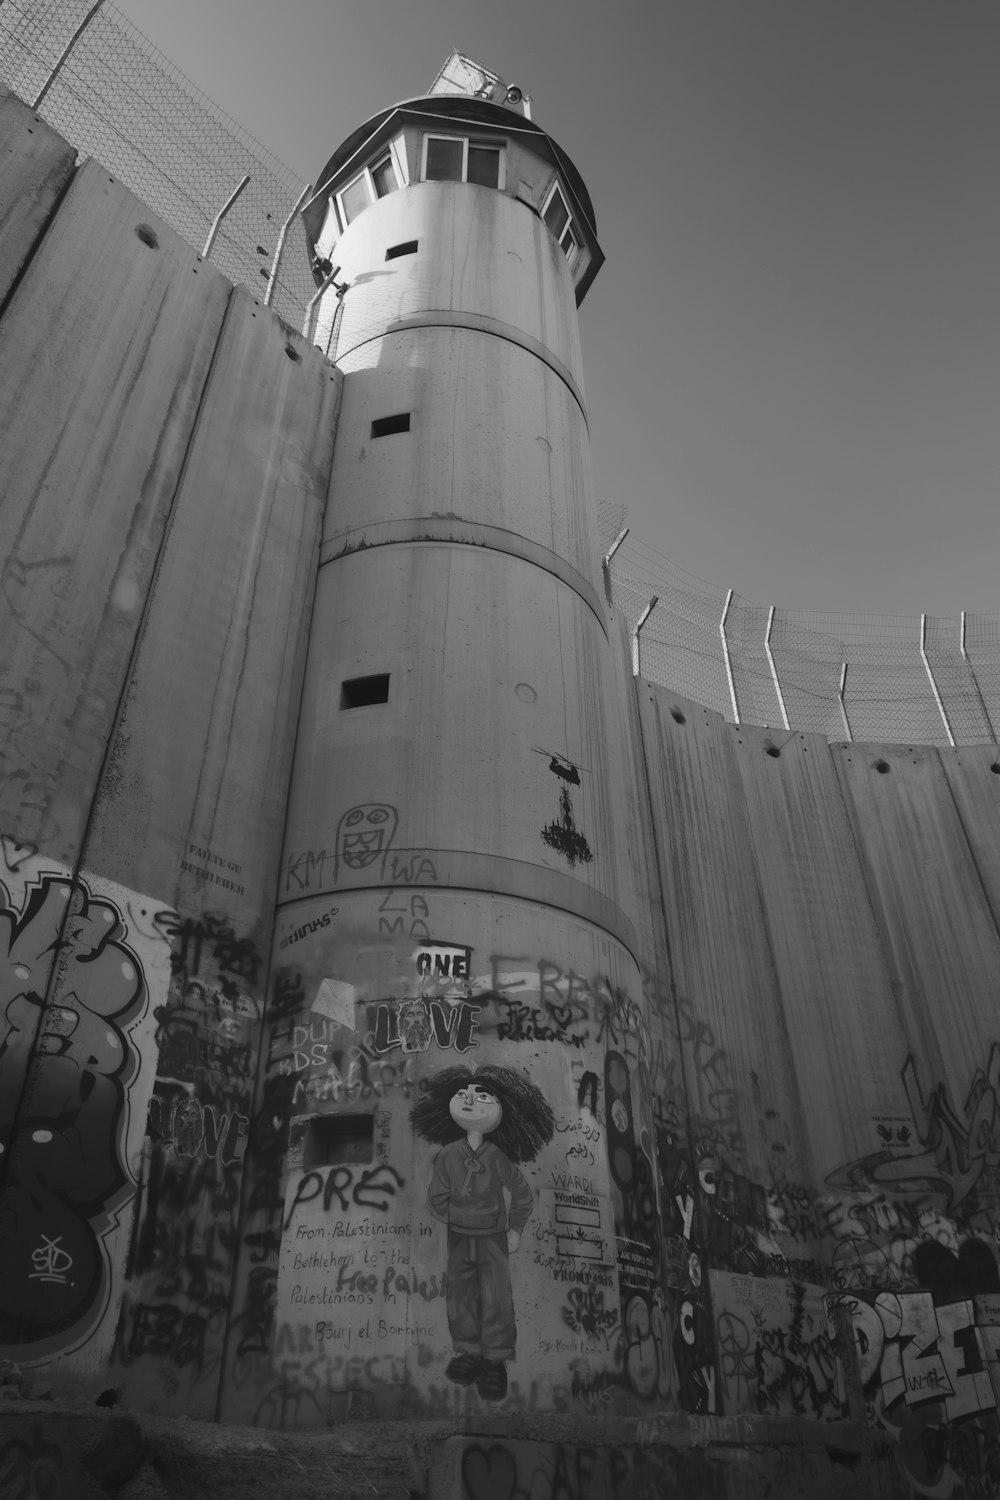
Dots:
{"x": 485, "y": 1121}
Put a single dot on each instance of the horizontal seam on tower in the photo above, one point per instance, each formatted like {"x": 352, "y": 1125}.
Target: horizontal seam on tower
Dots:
{"x": 447, "y": 541}
{"x": 631, "y": 945}
{"x": 537, "y": 349}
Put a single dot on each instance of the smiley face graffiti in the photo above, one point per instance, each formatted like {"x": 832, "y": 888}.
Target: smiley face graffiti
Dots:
{"x": 364, "y": 835}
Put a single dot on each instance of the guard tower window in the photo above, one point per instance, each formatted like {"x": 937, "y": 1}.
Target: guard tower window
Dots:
{"x": 376, "y": 180}
{"x": 560, "y": 222}
{"x": 452, "y": 158}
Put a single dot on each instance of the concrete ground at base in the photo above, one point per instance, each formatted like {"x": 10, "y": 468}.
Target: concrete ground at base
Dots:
{"x": 81, "y": 1452}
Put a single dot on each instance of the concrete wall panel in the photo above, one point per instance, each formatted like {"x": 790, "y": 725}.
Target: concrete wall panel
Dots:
{"x": 35, "y": 166}
{"x": 937, "y": 925}
{"x": 975, "y": 786}
{"x": 107, "y": 341}
{"x": 195, "y": 815}
{"x": 199, "y": 816}
{"x": 522, "y": 469}
{"x": 480, "y": 255}
{"x": 722, "y": 962}
{"x": 839, "y": 1008}
{"x": 733, "y": 1157}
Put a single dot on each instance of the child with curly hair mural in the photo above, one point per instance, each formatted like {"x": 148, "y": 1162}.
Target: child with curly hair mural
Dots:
{"x": 486, "y": 1121}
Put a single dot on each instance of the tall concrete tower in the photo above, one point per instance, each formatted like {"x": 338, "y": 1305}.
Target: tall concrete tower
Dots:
{"x": 454, "y": 891}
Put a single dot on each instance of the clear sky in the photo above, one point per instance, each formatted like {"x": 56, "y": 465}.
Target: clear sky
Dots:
{"x": 792, "y": 354}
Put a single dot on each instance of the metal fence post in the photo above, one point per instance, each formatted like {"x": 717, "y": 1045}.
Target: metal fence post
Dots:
{"x": 774, "y": 674}
{"x": 606, "y": 562}
{"x": 309, "y": 325}
{"x": 930, "y": 679}
{"x": 220, "y": 216}
{"x": 635, "y": 633}
{"x": 972, "y": 674}
{"x": 279, "y": 248}
{"x": 843, "y": 705}
{"x": 78, "y": 33}
{"x": 725, "y": 657}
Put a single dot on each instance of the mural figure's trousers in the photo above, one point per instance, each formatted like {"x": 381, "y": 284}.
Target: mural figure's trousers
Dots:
{"x": 480, "y": 1304}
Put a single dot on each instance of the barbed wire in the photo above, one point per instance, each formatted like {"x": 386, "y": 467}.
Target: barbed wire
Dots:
{"x": 916, "y": 679}
{"x": 119, "y": 99}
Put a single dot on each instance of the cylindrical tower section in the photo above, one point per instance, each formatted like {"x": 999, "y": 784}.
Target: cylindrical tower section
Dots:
{"x": 458, "y": 1022}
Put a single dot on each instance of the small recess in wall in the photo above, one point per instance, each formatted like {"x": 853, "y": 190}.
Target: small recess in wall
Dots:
{"x": 361, "y": 692}
{"x": 386, "y": 426}
{"x": 332, "y": 1139}
{"x": 408, "y": 247}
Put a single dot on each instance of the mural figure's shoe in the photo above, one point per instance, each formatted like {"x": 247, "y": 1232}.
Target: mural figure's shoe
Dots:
{"x": 465, "y": 1369}
{"x": 492, "y": 1381}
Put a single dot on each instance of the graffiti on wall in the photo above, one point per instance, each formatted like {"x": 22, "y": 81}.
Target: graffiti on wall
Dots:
{"x": 485, "y": 1123}
{"x": 913, "y": 1226}
{"x": 364, "y": 842}
{"x": 72, "y": 988}
{"x": 951, "y": 1162}
{"x": 775, "y": 1351}
{"x": 370, "y": 1288}
{"x": 511, "y": 1469}
{"x": 179, "y": 1267}
{"x": 32, "y": 1467}
{"x": 929, "y": 1364}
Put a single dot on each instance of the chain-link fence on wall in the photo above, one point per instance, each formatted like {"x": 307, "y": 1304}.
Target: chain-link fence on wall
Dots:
{"x": 916, "y": 679}
{"x": 119, "y": 99}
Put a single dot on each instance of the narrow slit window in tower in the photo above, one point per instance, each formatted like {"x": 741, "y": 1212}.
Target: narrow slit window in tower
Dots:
{"x": 361, "y": 692}
{"x": 386, "y": 426}
{"x": 408, "y": 247}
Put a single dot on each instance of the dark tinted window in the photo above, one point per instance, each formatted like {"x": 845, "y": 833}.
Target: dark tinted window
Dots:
{"x": 484, "y": 165}
{"x": 444, "y": 160}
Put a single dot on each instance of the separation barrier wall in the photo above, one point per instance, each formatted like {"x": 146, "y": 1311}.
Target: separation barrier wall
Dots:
{"x": 828, "y": 1115}
{"x": 167, "y": 446}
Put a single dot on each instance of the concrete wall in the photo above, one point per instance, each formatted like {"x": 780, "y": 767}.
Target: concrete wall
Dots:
{"x": 167, "y": 447}
{"x": 827, "y": 1123}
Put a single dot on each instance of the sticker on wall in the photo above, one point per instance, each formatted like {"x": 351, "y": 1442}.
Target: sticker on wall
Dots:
{"x": 443, "y": 960}
{"x": 335, "y": 998}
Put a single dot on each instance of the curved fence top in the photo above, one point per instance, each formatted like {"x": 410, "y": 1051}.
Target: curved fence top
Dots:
{"x": 922, "y": 679}
{"x": 119, "y": 99}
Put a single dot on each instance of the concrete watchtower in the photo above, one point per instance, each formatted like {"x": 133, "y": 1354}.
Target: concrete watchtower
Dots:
{"x": 454, "y": 888}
